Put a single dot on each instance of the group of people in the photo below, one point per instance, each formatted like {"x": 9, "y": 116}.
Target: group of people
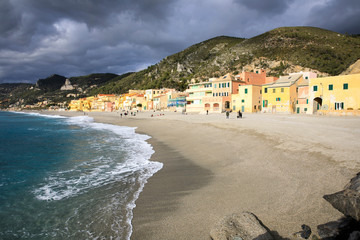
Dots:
{"x": 127, "y": 113}
{"x": 238, "y": 116}
{"x": 228, "y": 113}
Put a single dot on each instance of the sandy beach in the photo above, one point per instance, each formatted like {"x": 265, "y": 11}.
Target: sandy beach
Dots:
{"x": 276, "y": 166}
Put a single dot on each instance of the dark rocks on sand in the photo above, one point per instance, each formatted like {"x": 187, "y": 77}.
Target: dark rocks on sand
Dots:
{"x": 245, "y": 226}
{"x": 354, "y": 235}
{"x": 348, "y": 200}
{"x": 340, "y": 229}
{"x": 305, "y": 233}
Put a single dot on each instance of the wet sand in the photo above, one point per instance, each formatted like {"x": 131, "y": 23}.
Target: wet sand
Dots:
{"x": 276, "y": 166}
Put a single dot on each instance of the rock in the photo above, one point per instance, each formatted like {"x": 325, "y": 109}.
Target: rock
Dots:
{"x": 180, "y": 67}
{"x": 67, "y": 86}
{"x": 244, "y": 226}
{"x": 305, "y": 233}
{"x": 354, "y": 235}
{"x": 348, "y": 200}
{"x": 339, "y": 229}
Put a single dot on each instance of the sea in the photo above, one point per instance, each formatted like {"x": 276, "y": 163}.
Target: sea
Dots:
{"x": 69, "y": 177}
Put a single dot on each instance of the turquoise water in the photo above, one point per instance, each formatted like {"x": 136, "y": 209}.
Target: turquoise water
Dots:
{"x": 69, "y": 178}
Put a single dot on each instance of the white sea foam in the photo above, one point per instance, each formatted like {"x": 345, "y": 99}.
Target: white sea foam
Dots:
{"x": 104, "y": 170}
{"x": 40, "y": 115}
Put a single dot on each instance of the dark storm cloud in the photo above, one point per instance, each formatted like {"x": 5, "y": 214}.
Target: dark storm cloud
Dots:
{"x": 274, "y": 7}
{"x": 337, "y": 15}
{"x": 76, "y": 37}
{"x": 10, "y": 19}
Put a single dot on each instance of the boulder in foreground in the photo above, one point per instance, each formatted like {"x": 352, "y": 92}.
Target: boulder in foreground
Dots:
{"x": 245, "y": 226}
{"x": 348, "y": 200}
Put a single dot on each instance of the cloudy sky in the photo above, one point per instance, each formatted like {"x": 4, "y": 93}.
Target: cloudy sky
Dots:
{"x": 77, "y": 37}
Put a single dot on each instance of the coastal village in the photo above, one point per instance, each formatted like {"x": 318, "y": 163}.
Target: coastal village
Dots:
{"x": 247, "y": 92}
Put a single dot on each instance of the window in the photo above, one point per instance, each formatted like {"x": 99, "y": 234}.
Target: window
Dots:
{"x": 228, "y": 84}
{"x": 260, "y": 91}
{"x": 248, "y": 79}
{"x": 331, "y": 87}
{"x": 265, "y": 103}
{"x": 278, "y": 99}
{"x": 265, "y": 90}
{"x": 213, "y": 94}
{"x": 306, "y": 77}
{"x": 297, "y": 101}
{"x": 282, "y": 89}
{"x": 215, "y": 85}
{"x": 274, "y": 90}
{"x": 246, "y": 91}
{"x": 315, "y": 88}
{"x": 346, "y": 86}
{"x": 219, "y": 85}
{"x": 307, "y": 101}
{"x": 339, "y": 105}
{"x": 257, "y": 71}
{"x": 242, "y": 100}
{"x": 305, "y": 109}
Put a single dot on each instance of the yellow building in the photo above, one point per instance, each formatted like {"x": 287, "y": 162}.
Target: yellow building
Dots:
{"x": 74, "y": 105}
{"x": 338, "y": 95}
{"x": 281, "y": 95}
{"x": 248, "y": 99}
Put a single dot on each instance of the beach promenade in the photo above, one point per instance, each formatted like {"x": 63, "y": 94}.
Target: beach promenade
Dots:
{"x": 276, "y": 166}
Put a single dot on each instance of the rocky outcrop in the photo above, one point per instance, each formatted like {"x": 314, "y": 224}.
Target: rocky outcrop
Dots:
{"x": 67, "y": 86}
{"x": 340, "y": 229}
{"x": 245, "y": 226}
{"x": 353, "y": 69}
{"x": 348, "y": 200}
{"x": 51, "y": 83}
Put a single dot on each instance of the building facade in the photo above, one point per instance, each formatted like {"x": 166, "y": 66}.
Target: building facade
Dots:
{"x": 338, "y": 95}
{"x": 281, "y": 96}
{"x": 248, "y": 99}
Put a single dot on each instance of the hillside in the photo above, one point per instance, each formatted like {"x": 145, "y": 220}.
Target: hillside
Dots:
{"x": 280, "y": 51}
{"x": 49, "y": 89}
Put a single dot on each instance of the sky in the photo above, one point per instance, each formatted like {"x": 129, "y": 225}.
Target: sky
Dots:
{"x": 39, "y": 38}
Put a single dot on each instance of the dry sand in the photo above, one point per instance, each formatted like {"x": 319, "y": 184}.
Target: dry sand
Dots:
{"x": 276, "y": 166}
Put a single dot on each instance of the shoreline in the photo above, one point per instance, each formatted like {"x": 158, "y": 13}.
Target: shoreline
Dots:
{"x": 276, "y": 166}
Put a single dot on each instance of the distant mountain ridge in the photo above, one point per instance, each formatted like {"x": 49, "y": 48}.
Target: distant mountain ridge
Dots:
{"x": 279, "y": 51}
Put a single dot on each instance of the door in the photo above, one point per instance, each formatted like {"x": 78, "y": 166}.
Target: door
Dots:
{"x": 242, "y": 108}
